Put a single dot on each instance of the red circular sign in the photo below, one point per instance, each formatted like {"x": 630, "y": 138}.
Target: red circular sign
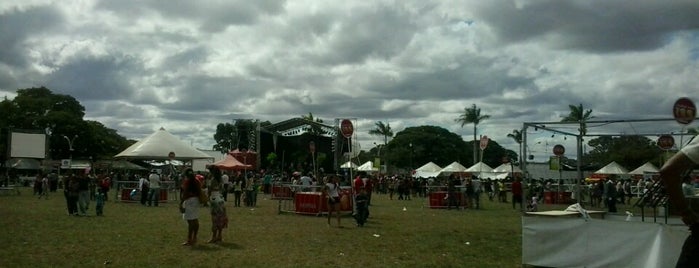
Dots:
{"x": 559, "y": 150}
{"x": 666, "y": 142}
{"x": 684, "y": 111}
{"x": 346, "y": 128}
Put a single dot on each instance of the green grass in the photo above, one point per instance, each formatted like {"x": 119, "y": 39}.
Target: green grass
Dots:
{"x": 38, "y": 233}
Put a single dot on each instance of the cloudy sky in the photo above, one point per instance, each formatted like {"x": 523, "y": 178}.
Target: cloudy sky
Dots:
{"x": 189, "y": 65}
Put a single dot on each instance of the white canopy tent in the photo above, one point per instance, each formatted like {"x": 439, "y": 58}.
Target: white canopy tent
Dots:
{"x": 349, "y": 164}
{"x": 479, "y": 168}
{"x": 427, "y": 170}
{"x": 507, "y": 168}
{"x": 158, "y": 145}
{"x": 644, "y": 169}
{"x": 367, "y": 166}
{"x": 612, "y": 169}
{"x": 454, "y": 167}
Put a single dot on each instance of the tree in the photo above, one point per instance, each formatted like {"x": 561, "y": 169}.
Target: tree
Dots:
{"x": 40, "y": 110}
{"x": 229, "y": 136}
{"x": 628, "y": 151}
{"x": 579, "y": 115}
{"x": 516, "y": 135}
{"x": 473, "y": 116}
{"x": 382, "y": 129}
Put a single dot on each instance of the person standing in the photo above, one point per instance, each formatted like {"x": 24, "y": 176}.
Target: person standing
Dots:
{"x": 225, "y": 180}
{"x": 267, "y": 183}
{"x": 237, "y": 186}
{"x": 671, "y": 175}
{"x": 219, "y": 219}
{"x": 189, "y": 205}
{"x": 249, "y": 185}
{"x": 154, "y": 188}
{"x": 73, "y": 187}
{"x": 44, "y": 187}
{"x": 83, "y": 194}
{"x": 143, "y": 188}
{"x": 362, "y": 207}
{"x": 517, "y": 193}
{"x": 611, "y": 195}
{"x": 477, "y": 189}
{"x": 332, "y": 192}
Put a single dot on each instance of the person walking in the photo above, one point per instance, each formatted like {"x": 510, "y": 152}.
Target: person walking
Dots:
{"x": 153, "y": 188}
{"x": 332, "y": 192}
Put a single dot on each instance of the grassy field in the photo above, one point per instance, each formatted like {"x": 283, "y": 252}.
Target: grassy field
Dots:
{"x": 39, "y": 233}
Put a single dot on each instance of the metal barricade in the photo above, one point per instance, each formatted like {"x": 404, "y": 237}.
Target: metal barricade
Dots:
{"x": 439, "y": 197}
{"x": 308, "y": 200}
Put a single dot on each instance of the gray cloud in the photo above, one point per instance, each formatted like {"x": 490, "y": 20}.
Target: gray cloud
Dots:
{"x": 186, "y": 66}
{"x": 597, "y": 26}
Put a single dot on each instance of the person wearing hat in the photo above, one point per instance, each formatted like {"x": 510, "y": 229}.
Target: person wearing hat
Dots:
{"x": 154, "y": 188}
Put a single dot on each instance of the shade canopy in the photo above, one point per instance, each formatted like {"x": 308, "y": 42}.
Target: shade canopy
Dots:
{"x": 454, "y": 167}
{"x": 158, "y": 145}
{"x": 612, "y": 169}
{"x": 349, "y": 164}
{"x": 367, "y": 166}
{"x": 479, "y": 168}
{"x": 427, "y": 170}
{"x": 230, "y": 163}
{"x": 507, "y": 168}
{"x": 644, "y": 169}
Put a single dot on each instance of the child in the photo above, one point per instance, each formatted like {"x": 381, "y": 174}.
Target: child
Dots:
{"x": 533, "y": 205}
{"x": 362, "y": 201}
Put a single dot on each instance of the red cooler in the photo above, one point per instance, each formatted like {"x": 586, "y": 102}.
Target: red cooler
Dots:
{"x": 438, "y": 199}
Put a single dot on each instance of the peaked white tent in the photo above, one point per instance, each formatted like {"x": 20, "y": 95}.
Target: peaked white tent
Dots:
{"x": 645, "y": 168}
{"x": 507, "y": 168}
{"x": 479, "y": 168}
{"x": 349, "y": 164}
{"x": 158, "y": 145}
{"x": 612, "y": 169}
{"x": 454, "y": 167}
{"x": 427, "y": 170}
{"x": 367, "y": 166}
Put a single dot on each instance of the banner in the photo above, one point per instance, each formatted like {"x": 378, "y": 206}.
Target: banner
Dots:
{"x": 554, "y": 163}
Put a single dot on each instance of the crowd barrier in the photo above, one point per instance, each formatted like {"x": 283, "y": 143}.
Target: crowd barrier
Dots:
{"x": 439, "y": 197}
{"x": 308, "y": 200}
{"x": 127, "y": 191}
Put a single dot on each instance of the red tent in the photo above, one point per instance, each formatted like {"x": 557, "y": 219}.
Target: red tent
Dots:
{"x": 230, "y": 163}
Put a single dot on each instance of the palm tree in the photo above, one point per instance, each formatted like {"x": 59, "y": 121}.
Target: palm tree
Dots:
{"x": 472, "y": 116}
{"x": 577, "y": 114}
{"x": 517, "y": 136}
{"x": 382, "y": 129}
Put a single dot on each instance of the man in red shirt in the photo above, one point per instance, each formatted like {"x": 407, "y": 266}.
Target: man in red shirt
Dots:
{"x": 357, "y": 186}
{"x": 517, "y": 193}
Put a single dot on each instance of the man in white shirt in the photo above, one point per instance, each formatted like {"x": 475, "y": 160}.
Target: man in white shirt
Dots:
{"x": 671, "y": 175}
{"x": 305, "y": 181}
{"x": 154, "y": 194}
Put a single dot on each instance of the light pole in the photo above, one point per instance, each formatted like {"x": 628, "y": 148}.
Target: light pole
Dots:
{"x": 70, "y": 144}
{"x": 411, "y": 156}
{"x": 378, "y": 155}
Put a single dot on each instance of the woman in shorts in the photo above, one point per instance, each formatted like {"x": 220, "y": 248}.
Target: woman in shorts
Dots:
{"x": 332, "y": 192}
{"x": 189, "y": 205}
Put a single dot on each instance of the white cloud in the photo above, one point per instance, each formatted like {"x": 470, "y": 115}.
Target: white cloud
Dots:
{"x": 140, "y": 65}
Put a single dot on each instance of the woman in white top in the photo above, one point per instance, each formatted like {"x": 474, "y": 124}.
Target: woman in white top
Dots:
{"x": 332, "y": 192}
